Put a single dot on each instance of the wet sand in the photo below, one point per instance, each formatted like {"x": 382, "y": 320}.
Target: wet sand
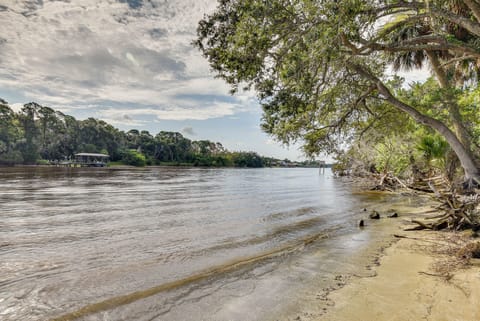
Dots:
{"x": 406, "y": 286}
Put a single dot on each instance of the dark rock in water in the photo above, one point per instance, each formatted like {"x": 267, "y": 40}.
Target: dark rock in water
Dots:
{"x": 394, "y": 214}
{"x": 364, "y": 209}
{"x": 361, "y": 223}
{"x": 374, "y": 215}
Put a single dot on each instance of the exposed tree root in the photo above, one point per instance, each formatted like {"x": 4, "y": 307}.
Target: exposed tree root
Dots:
{"x": 459, "y": 212}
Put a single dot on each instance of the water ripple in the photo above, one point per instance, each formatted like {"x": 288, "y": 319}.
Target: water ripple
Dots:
{"x": 107, "y": 232}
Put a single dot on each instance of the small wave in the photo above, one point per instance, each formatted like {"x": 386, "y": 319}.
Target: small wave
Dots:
{"x": 276, "y": 235}
{"x": 227, "y": 267}
{"x": 286, "y": 214}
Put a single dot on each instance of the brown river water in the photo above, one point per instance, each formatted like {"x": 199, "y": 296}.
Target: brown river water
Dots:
{"x": 175, "y": 243}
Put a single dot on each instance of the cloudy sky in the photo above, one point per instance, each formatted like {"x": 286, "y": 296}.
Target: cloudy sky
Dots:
{"x": 128, "y": 62}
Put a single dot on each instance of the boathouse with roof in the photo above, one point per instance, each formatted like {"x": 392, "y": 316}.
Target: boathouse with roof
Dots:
{"x": 91, "y": 159}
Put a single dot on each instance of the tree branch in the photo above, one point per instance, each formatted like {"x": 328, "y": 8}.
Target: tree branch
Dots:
{"x": 397, "y": 5}
{"x": 466, "y": 23}
{"x": 427, "y": 47}
{"x": 348, "y": 44}
{"x": 456, "y": 59}
{"x": 475, "y": 7}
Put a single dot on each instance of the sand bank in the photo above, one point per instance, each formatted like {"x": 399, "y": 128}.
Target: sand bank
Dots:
{"x": 407, "y": 286}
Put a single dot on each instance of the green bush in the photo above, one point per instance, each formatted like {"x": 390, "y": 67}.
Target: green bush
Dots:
{"x": 433, "y": 148}
{"x": 11, "y": 157}
{"x": 134, "y": 158}
{"x": 392, "y": 156}
{"x": 43, "y": 162}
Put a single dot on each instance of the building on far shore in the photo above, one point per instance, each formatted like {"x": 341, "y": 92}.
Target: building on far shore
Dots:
{"x": 91, "y": 159}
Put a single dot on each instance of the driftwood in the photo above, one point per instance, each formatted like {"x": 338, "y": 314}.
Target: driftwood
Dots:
{"x": 388, "y": 182}
{"x": 455, "y": 212}
{"x": 458, "y": 213}
{"x": 437, "y": 184}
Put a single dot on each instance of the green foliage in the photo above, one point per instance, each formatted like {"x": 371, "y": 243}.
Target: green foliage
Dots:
{"x": 10, "y": 157}
{"x": 212, "y": 161}
{"x": 290, "y": 52}
{"x": 42, "y": 162}
{"x": 39, "y": 134}
{"x": 321, "y": 69}
{"x": 133, "y": 158}
{"x": 88, "y": 148}
{"x": 470, "y": 103}
{"x": 10, "y": 135}
{"x": 392, "y": 156}
{"x": 28, "y": 147}
{"x": 246, "y": 159}
{"x": 432, "y": 147}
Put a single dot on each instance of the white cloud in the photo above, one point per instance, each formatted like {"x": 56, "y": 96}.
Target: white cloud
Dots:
{"x": 104, "y": 53}
{"x": 132, "y": 59}
{"x": 182, "y": 112}
{"x": 416, "y": 75}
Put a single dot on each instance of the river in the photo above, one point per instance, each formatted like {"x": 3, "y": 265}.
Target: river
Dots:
{"x": 174, "y": 243}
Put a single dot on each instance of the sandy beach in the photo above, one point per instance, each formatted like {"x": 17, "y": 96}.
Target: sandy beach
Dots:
{"x": 407, "y": 285}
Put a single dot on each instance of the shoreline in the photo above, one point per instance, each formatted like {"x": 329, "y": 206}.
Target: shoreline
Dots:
{"x": 354, "y": 255}
{"x": 406, "y": 283}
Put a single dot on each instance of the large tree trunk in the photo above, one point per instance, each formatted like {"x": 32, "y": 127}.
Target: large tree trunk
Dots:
{"x": 453, "y": 108}
{"x": 472, "y": 172}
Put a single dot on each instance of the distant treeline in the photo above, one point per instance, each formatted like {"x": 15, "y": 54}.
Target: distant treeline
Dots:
{"x": 38, "y": 134}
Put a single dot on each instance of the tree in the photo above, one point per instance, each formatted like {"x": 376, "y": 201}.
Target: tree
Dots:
{"x": 27, "y": 118}
{"x": 97, "y": 135}
{"x": 39, "y": 131}
{"x": 320, "y": 68}
{"x": 52, "y": 130}
{"x": 9, "y": 135}
{"x": 172, "y": 147}
{"x": 70, "y": 140}
{"x": 247, "y": 159}
{"x": 133, "y": 138}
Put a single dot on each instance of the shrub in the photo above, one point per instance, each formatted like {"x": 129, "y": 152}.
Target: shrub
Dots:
{"x": 133, "y": 158}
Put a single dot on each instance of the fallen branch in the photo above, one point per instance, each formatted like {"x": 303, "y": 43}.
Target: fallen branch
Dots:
{"x": 459, "y": 213}
{"x": 389, "y": 182}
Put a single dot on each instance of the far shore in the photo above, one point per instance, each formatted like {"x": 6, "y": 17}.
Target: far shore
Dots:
{"x": 123, "y": 166}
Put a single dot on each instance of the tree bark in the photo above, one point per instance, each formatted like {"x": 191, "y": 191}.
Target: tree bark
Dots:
{"x": 453, "y": 108}
{"x": 437, "y": 69}
{"x": 466, "y": 23}
{"x": 475, "y": 7}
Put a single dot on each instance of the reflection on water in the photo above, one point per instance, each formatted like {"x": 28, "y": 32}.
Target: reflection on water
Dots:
{"x": 159, "y": 243}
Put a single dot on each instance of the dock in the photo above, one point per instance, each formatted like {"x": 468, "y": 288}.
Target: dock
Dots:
{"x": 86, "y": 160}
